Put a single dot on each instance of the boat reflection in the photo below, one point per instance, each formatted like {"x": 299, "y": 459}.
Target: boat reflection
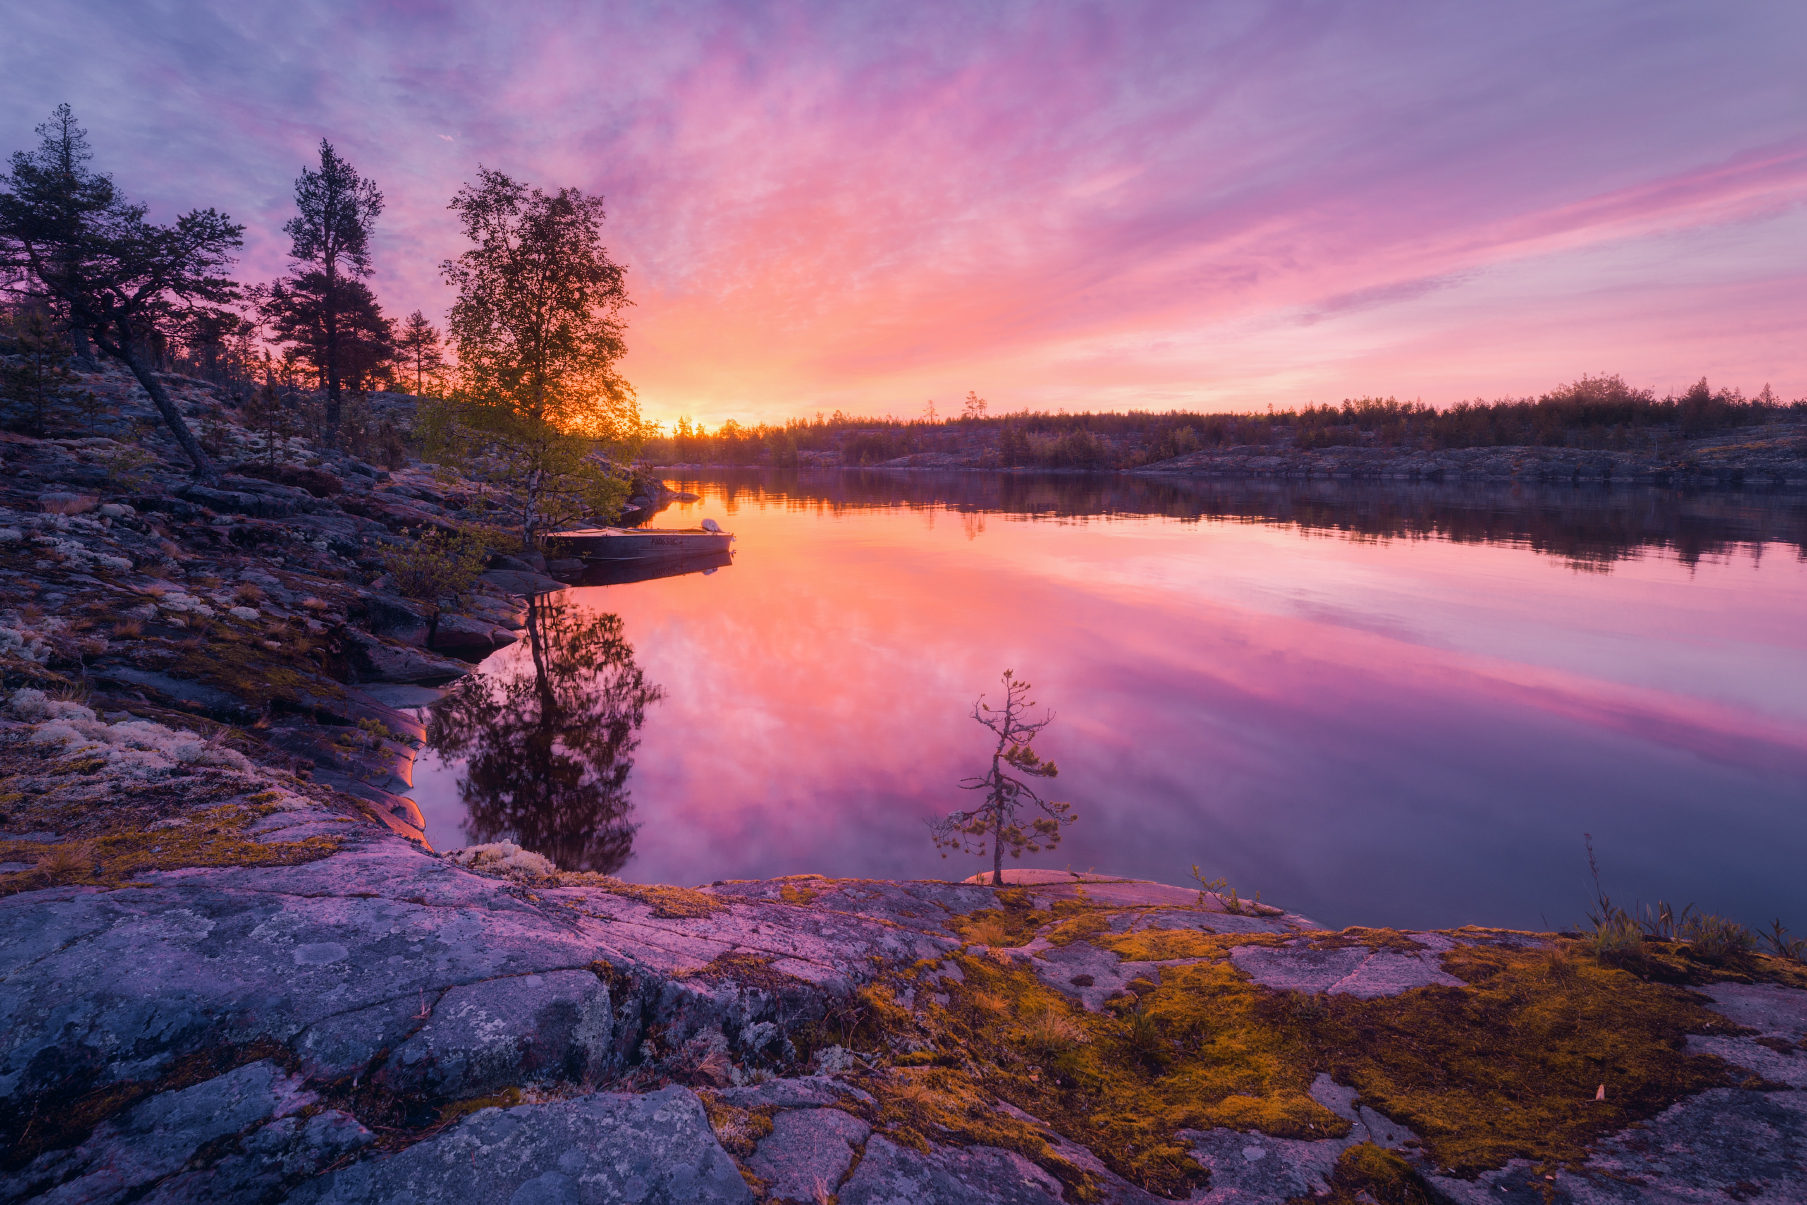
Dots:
{"x": 619, "y": 573}
{"x": 548, "y": 747}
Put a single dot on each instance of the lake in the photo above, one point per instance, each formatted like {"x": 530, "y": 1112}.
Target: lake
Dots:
{"x": 1377, "y": 705}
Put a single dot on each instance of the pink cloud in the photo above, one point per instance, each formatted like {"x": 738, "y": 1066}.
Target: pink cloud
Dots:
{"x": 1149, "y": 205}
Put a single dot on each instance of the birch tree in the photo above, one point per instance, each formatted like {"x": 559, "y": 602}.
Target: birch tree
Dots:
{"x": 537, "y": 335}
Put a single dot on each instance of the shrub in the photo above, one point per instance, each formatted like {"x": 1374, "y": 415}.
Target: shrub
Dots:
{"x": 1617, "y": 938}
{"x": 437, "y": 566}
{"x": 1715, "y": 939}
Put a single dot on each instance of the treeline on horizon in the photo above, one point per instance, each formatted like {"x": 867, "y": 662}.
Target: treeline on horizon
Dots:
{"x": 1600, "y": 412}
{"x": 320, "y": 327}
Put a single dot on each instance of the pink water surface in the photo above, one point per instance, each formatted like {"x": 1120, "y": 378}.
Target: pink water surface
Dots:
{"x": 1411, "y": 732}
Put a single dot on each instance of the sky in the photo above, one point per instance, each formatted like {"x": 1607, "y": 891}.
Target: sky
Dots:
{"x": 866, "y": 207}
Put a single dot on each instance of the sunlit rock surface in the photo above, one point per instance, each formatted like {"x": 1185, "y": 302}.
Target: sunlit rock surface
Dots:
{"x": 358, "y": 1019}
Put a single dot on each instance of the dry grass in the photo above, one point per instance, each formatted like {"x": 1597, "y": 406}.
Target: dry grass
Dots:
{"x": 987, "y": 933}
{"x": 61, "y": 863}
{"x": 128, "y": 629}
{"x": 247, "y": 594}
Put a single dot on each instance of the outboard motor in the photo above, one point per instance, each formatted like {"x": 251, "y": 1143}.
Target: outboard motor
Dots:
{"x": 711, "y": 525}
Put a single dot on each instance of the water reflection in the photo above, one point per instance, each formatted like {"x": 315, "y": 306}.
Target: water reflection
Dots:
{"x": 1378, "y": 705}
{"x": 1592, "y": 527}
{"x": 548, "y": 747}
{"x": 620, "y": 573}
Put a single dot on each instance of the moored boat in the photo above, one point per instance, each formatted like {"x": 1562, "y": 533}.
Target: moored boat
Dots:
{"x": 607, "y": 544}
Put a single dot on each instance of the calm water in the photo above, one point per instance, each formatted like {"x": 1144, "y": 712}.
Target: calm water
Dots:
{"x": 1381, "y": 706}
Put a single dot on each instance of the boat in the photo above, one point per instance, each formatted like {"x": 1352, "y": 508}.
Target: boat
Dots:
{"x": 612, "y": 544}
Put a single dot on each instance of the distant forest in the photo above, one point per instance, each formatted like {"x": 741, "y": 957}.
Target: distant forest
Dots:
{"x": 320, "y": 329}
{"x": 1593, "y": 413}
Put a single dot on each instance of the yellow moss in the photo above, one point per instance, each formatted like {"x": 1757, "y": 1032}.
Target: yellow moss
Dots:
{"x": 255, "y": 674}
{"x": 213, "y": 837}
{"x": 738, "y": 1130}
{"x": 679, "y": 903}
{"x": 1158, "y": 945}
{"x": 920, "y": 1106}
{"x": 1366, "y": 1173}
{"x": 1083, "y": 927}
{"x": 1508, "y": 1066}
{"x": 1013, "y": 923}
{"x": 1372, "y": 939}
{"x": 799, "y": 895}
{"x": 1501, "y": 1068}
{"x": 508, "y": 1098}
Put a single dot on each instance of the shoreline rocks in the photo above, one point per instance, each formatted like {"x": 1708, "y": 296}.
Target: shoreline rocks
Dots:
{"x": 314, "y": 1009}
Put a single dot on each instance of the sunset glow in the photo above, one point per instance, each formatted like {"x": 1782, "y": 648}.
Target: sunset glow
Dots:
{"x": 1150, "y": 206}
{"x": 1330, "y": 716}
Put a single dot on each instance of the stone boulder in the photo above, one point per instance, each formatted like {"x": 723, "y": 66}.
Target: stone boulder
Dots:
{"x": 655, "y": 1149}
{"x": 532, "y": 1028}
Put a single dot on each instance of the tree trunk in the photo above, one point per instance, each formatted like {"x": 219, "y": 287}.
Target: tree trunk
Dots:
{"x": 84, "y": 351}
{"x": 172, "y": 418}
{"x": 331, "y": 317}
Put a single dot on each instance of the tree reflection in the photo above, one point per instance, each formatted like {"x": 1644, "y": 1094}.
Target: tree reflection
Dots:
{"x": 549, "y": 747}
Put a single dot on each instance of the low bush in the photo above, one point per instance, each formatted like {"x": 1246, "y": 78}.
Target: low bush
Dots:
{"x": 437, "y": 566}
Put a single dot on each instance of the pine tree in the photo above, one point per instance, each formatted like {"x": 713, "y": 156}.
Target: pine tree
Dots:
{"x": 68, "y": 235}
{"x": 1006, "y": 793}
{"x": 36, "y": 376}
{"x": 418, "y": 344}
{"x": 331, "y": 238}
{"x": 337, "y": 328}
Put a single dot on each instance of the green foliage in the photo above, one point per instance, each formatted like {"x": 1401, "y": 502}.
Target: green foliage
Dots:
{"x": 268, "y": 417}
{"x": 1620, "y": 937}
{"x": 1013, "y": 760}
{"x": 1784, "y": 946}
{"x": 1228, "y": 897}
{"x": 551, "y": 476}
{"x": 107, "y": 270}
{"x": 322, "y": 310}
{"x": 537, "y": 337}
{"x": 536, "y": 325}
{"x": 35, "y": 381}
{"x": 437, "y": 566}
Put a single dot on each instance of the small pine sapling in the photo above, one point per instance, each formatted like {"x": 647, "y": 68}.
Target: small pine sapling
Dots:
{"x": 995, "y": 822}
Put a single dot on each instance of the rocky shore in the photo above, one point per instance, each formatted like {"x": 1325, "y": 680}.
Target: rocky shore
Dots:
{"x": 256, "y": 608}
{"x": 232, "y": 969}
{"x": 220, "y": 981}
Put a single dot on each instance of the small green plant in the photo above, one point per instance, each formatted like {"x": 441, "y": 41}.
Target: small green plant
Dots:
{"x": 1146, "y": 1041}
{"x": 1232, "y": 903}
{"x": 1616, "y": 937}
{"x": 437, "y": 566}
{"x": 1051, "y": 1034}
{"x": 126, "y": 466}
{"x": 1715, "y": 939}
{"x": 1006, "y": 789}
{"x": 1784, "y": 946}
{"x": 1664, "y": 924}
